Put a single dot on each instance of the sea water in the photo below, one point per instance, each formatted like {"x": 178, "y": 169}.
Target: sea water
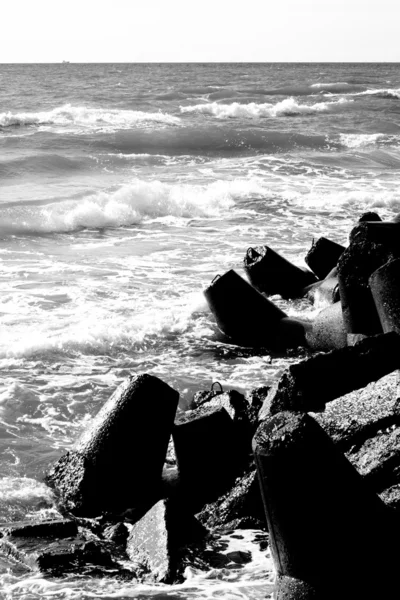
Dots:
{"x": 124, "y": 190}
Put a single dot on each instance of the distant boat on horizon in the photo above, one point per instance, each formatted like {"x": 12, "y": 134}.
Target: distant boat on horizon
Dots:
{"x": 66, "y": 62}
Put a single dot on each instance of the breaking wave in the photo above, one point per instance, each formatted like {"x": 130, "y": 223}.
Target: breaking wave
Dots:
{"x": 285, "y": 108}
{"x": 87, "y": 118}
{"x": 128, "y": 205}
{"x": 363, "y": 140}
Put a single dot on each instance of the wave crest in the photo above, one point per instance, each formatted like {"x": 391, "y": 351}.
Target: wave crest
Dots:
{"x": 87, "y": 118}
{"x": 126, "y": 206}
{"x": 285, "y": 108}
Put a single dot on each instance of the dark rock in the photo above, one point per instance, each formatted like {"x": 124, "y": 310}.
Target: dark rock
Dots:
{"x": 378, "y": 459}
{"x": 271, "y": 274}
{"x": 323, "y": 256}
{"x": 154, "y": 541}
{"x": 58, "y": 528}
{"x": 117, "y": 462}
{"x": 322, "y": 517}
{"x": 242, "y": 504}
{"x": 310, "y": 384}
{"x": 369, "y": 216}
{"x": 238, "y": 409}
{"x": 385, "y": 288}
{"x": 241, "y": 312}
{"x": 209, "y": 454}
{"x": 256, "y": 398}
{"x": 57, "y": 548}
{"x": 117, "y": 533}
{"x": 372, "y": 244}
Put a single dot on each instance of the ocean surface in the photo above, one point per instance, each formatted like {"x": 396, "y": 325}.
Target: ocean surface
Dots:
{"x": 124, "y": 190}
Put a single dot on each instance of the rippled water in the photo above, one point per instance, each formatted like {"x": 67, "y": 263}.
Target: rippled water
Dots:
{"x": 124, "y": 189}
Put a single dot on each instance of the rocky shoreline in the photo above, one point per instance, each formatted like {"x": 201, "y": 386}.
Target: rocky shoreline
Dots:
{"x": 147, "y": 484}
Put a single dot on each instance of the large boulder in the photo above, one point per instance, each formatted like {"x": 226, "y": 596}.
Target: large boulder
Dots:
{"x": 117, "y": 462}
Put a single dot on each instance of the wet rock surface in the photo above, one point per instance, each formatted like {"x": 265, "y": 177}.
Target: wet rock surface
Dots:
{"x": 240, "y": 508}
{"x": 92, "y": 478}
{"x": 59, "y": 547}
{"x": 310, "y": 384}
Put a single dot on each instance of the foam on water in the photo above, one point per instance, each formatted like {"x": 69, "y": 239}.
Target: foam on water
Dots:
{"x": 88, "y": 118}
{"x": 362, "y": 140}
{"x": 248, "y": 575}
{"x": 130, "y": 204}
{"x": 285, "y": 108}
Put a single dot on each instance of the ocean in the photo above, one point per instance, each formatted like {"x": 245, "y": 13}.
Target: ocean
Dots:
{"x": 124, "y": 190}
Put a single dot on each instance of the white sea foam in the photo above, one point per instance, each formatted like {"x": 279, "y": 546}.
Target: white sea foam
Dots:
{"x": 361, "y": 140}
{"x": 287, "y": 107}
{"x": 386, "y": 92}
{"x": 128, "y": 205}
{"x": 24, "y": 490}
{"x": 88, "y": 118}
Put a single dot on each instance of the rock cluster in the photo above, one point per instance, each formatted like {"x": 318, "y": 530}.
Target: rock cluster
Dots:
{"x": 147, "y": 485}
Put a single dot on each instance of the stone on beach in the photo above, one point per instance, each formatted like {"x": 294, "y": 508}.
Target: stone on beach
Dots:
{"x": 117, "y": 462}
{"x": 154, "y": 541}
{"x": 56, "y": 548}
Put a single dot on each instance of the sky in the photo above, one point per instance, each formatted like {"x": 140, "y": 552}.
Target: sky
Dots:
{"x": 199, "y": 30}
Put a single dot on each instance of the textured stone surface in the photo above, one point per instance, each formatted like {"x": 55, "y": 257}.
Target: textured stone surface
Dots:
{"x": 322, "y": 516}
{"x": 154, "y": 541}
{"x": 57, "y": 548}
{"x": 372, "y": 244}
{"x": 310, "y": 384}
{"x": 355, "y": 417}
{"x": 328, "y": 331}
{"x": 241, "y": 506}
{"x": 118, "y": 460}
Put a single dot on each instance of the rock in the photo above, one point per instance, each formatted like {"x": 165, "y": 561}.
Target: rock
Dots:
{"x": 271, "y": 274}
{"x": 238, "y": 408}
{"x": 57, "y": 548}
{"x": 154, "y": 541}
{"x": 58, "y": 528}
{"x": 209, "y": 454}
{"x": 328, "y": 331}
{"x": 385, "y": 287}
{"x": 117, "y": 462}
{"x": 378, "y": 459}
{"x": 372, "y": 244}
{"x": 322, "y": 517}
{"x": 310, "y": 384}
{"x": 289, "y": 588}
{"x": 323, "y": 256}
{"x": 241, "y": 312}
{"x": 352, "y": 419}
{"x": 241, "y": 506}
{"x": 369, "y": 216}
{"x": 391, "y": 497}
